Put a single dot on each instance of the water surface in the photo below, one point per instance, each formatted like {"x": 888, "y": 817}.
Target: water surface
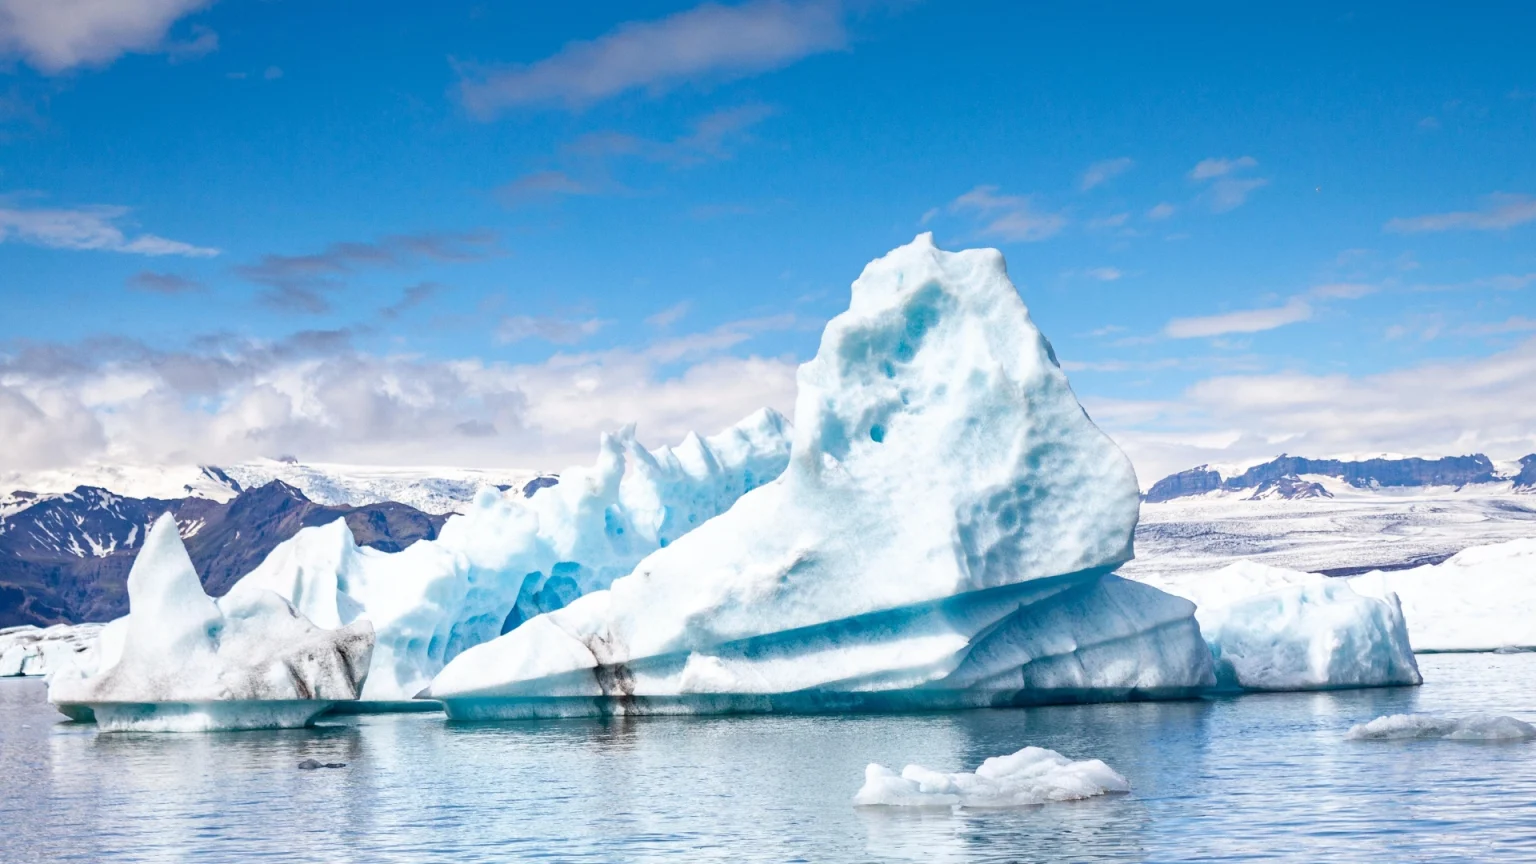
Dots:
{"x": 1266, "y": 777}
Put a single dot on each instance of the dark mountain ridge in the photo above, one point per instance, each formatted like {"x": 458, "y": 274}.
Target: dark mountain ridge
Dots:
{"x": 1281, "y": 477}
{"x": 65, "y": 558}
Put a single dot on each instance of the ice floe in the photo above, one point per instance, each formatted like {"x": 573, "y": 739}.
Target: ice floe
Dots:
{"x": 1031, "y": 776}
{"x": 1473, "y": 727}
{"x": 31, "y": 651}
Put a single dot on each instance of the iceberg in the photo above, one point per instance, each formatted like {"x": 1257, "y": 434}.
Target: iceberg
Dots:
{"x": 942, "y": 536}
{"x": 1476, "y": 727}
{"x": 1029, "y": 777}
{"x": 29, "y": 650}
{"x": 182, "y": 661}
{"x": 1270, "y": 628}
{"x": 510, "y": 558}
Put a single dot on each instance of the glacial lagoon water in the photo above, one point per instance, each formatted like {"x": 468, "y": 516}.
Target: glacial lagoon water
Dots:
{"x": 1262, "y": 777}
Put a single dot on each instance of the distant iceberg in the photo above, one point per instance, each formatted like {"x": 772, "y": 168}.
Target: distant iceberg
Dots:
{"x": 1270, "y": 628}
{"x": 1475, "y": 727}
{"x": 510, "y": 558}
{"x": 1031, "y": 776}
{"x": 35, "y": 651}
{"x": 182, "y": 661}
{"x": 942, "y": 537}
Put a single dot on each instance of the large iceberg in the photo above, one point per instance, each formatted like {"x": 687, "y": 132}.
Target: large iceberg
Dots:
{"x": 1029, "y": 777}
{"x": 182, "y": 661}
{"x": 942, "y": 537}
{"x": 509, "y": 558}
{"x": 1270, "y": 628}
{"x": 29, "y": 650}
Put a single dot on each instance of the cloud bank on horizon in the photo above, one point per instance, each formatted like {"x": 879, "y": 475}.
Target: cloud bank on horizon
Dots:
{"x": 482, "y": 236}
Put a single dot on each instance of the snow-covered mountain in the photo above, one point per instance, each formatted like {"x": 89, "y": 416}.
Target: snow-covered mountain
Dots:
{"x": 436, "y": 490}
{"x": 1284, "y": 477}
{"x": 1322, "y": 523}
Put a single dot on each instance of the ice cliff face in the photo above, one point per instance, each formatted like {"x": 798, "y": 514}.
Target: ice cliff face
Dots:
{"x": 179, "y": 650}
{"x": 510, "y": 557}
{"x": 834, "y": 585}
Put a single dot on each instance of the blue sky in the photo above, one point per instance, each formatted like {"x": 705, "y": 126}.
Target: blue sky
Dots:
{"x": 480, "y": 233}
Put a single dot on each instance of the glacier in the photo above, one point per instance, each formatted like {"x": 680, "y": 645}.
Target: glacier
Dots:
{"x": 508, "y": 558}
{"x": 182, "y": 661}
{"x": 1270, "y": 628}
{"x": 1474, "y": 727}
{"x": 834, "y": 587}
{"x": 1032, "y": 776}
{"x": 1481, "y": 599}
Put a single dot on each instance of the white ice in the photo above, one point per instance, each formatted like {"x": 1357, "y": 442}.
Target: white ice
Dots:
{"x": 1480, "y": 599}
{"x": 509, "y": 558}
{"x": 1270, "y": 628}
{"x": 181, "y": 660}
{"x": 30, "y": 650}
{"x": 940, "y": 537}
{"x": 1031, "y": 776}
{"x": 1474, "y": 727}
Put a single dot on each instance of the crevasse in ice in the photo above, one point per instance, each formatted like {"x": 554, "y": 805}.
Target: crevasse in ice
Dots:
{"x": 182, "y": 661}
{"x": 509, "y": 558}
{"x": 942, "y": 536}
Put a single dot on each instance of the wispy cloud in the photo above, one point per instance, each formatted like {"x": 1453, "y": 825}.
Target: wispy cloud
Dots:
{"x": 1225, "y": 189}
{"x": 302, "y": 283}
{"x": 709, "y": 42}
{"x": 89, "y": 228}
{"x": 1161, "y": 211}
{"x": 1500, "y": 211}
{"x": 1104, "y": 274}
{"x": 169, "y": 284}
{"x": 412, "y": 297}
{"x": 1512, "y": 324}
{"x": 1102, "y": 172}
{"x": 1245, "y": 321}
{"x": 1342, "y": 290}
{"x": 54, "y": 36}
{"x": 548, "y": 328}
{"x": 669, "y": 316}
{"x": 1008, "y": 217}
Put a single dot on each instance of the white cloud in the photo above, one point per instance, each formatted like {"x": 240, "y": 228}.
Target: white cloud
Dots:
{"x": 58, "y": 35}
{"x": 1008, "y": 217}
{"x": 1103, "y": 274}
{"x": 1224, "y": 189}
{"x": 1245, "y": 321}
{"x": 1444, "y": 408}
{"x": 88, "y": 228}
{"x": 709, "y": 42}
{"x": 669, "y": 316}
{"x": 561, "y": 331}
{"x": 1500, "y": 211}
{"x": 1342, "y": 290}
{"x": 1213, "y": 167}
{"x": 314, "y": 396}
{"x": 1102, "y": 172}
{"x": 1161, "y": 211}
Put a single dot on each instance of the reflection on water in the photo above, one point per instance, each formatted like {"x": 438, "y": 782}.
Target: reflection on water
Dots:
{"x": 1251, "y": 777}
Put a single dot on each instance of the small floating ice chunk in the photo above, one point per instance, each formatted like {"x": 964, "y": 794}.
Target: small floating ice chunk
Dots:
{"x": 1474, "y": 727}
{"x": 1031, "y": 776}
